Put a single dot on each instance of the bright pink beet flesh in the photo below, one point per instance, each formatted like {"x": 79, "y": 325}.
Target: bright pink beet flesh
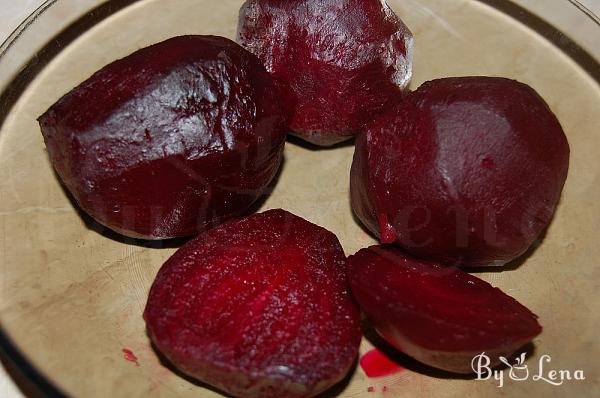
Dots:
{"x": 464, "y": 171}
{"x": 172, "y": 139}
{"x": 342, "y": 59}
{"x": 257, "y": 308}
{"x": 439, "y": 315}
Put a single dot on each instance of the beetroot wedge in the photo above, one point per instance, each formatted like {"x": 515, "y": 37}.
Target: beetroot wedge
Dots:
{"x": 465, "y": 171}
{"x": 342, "y": 59}
{"x": 172, "y": 139}
{"x": 440, "y": 316}
{"x": 257, "y": 308}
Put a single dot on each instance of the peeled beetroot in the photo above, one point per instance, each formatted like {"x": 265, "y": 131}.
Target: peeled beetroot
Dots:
{"x": 440, "y": 316}
{"x": 464, "y": 171}
{"x": 342, "y": 59}
{"x": 172, "y": 139}
{"x": 257, "y": 308}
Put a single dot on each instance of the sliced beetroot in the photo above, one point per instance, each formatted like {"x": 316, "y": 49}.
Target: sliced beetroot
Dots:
{"x": 257, "y": 308}
{"x": 464, "y": 171}
{"x": 440, "y": 316}
{"x": 343, "y": 59}
{"x": 172, "y": 139}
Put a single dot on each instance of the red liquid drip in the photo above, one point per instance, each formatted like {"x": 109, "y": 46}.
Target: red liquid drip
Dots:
{"x": 130, "y": 356}
{"x": 376, "y": 364}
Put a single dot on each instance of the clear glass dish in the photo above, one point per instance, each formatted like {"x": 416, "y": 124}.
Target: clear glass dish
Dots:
{"x": 71, "y": 296}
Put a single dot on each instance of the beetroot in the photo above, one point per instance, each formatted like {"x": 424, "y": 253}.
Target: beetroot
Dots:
{"x": 174, "y": 138}
{"x": 440, "y": 316}
{"x": 343, "y": 59}
{"x": 257, "y": 308}
{"x": 463, "y": 171}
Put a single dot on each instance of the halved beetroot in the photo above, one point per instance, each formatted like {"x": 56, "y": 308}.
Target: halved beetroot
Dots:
{"x": 258, "y": 308}
{"x": 171, "y": 139}
{"x": 440, "y": 316}
{"x": 466, "y": 171}
{"x": 342, "y": 59}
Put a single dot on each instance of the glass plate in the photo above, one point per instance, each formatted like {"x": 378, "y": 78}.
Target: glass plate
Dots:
{"x": 72, "y": 295}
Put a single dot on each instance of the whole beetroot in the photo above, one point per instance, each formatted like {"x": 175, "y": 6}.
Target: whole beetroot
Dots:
{"x": 172, "y": 139}
{"x": 342, "y": 59}
{"x": 258, "y": 308}
{"x": 464, "y": 171}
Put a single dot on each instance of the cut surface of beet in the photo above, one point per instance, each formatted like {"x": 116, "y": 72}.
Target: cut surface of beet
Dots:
{"x": 257, "y": 308}
{"x": 464, "y": 171}
{"x": 441, "y": 316}
{"x": 342, "y": 59}
{"x": 169, "y": 140}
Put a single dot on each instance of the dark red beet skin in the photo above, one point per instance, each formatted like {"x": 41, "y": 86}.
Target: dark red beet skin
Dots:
{"x": 464, "y": 171}
{"x": 172, "y": 139}
{"x": 440, "y": 316}
{"x": 343, "y": 59}
{"x": 257, "y": 308}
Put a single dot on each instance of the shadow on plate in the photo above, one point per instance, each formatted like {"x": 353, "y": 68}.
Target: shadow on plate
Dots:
{"x": 292, "y": 139}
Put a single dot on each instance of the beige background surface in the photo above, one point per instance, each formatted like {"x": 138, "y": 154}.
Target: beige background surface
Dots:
{"x": 11, "y": 12}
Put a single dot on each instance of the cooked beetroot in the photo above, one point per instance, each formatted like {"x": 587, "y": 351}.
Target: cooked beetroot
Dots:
{"x": 463, "y": 171}
{"x": 174, "y": 138}
{"x": 343, "y": 59}
{"x": 438, "y": 315}
{"x": 258, "y": 308}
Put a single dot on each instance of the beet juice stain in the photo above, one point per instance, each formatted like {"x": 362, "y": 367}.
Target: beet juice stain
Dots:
{"x": 376, "y": 364}
{"x": 130, "y": 356}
